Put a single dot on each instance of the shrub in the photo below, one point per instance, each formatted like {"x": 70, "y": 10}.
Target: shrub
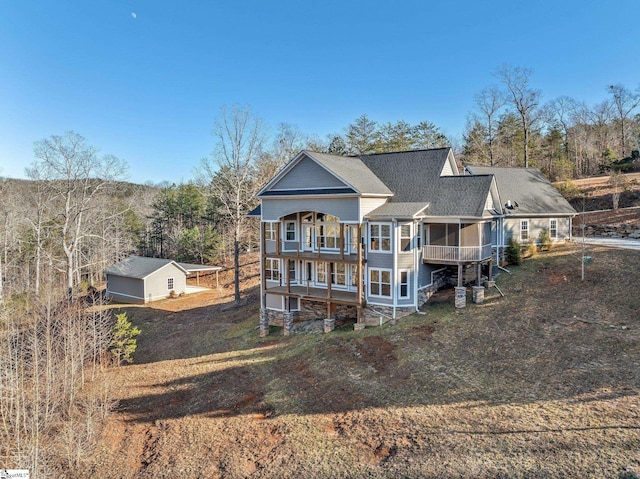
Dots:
{"x": 544, "y": 239}
{"x": 512, "y": 252}
{"x": 531, "y": 249}
{"x": 124, "y": 343}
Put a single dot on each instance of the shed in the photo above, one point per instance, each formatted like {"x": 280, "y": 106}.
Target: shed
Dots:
{"x": 139, "y": 280}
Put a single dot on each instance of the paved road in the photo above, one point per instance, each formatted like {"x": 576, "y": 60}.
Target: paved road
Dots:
{"x": 624, "y": 243}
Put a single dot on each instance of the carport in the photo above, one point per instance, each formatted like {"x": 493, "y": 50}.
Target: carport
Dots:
{"x": 196, "y": 269}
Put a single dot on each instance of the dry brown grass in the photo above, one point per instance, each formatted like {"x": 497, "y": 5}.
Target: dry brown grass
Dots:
{"x": 542, "y": 383}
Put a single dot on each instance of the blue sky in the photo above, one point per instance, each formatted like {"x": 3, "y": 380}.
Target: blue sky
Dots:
{"x": 144, "y": 80}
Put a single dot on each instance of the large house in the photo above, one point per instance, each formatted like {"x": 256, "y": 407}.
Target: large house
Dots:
{"x": 373, "y": 236}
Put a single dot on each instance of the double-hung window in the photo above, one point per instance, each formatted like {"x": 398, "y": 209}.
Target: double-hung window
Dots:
{"x": 380, "y": 282}
{"x": 553, "y": 228}
{"x": 321, "y": 273}
{"x": 338, "y": 274}
{"x": 405, "y": 237}
{"x": 169, "y": 284}
{"x": 290, "y": 231}
{"x": 270, "y": 231}
{"x": 272, "y": 269}
{"x": 524, "y": 230}
{"x": 379, "y": 237}
{"x": 404, "y": 284}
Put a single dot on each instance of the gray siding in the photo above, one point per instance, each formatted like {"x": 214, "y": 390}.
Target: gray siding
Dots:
{"x": 125, "y": 289}
{"x": 308, "y": 174}
{"x": 380, "y": 260}
{"x": 405, "y": 260}
{"x": 512, "y": 227}
{"x": 344, "y": 208}
{"x": 274, "y": 301}
{"x": 270, "y": 246}
{"x": 424, "y": 274}
{"x": 156, "y": 283}
{"x": 367, "y": 205}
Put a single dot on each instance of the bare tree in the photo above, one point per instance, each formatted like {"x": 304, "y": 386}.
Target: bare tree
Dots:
{"x": 489, "y": 102}
{"x": 229, "y": 173}
{"x": 561, "y": 113}
{"x": 75, "y": 176}
{"x": 525, "y": 99}
{"x": 624, "y": 102}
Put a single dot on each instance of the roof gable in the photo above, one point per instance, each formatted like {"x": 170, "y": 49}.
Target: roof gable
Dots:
{"x": 311, "y": 173}
{"x": 140, "y": 267}
{"x": 306, "y": 174}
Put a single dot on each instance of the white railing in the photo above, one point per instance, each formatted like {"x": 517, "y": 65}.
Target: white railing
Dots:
{"x": 456, "y": 253}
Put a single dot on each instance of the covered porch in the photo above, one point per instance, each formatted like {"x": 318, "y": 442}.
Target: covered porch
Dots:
{"x": 457, "y": 243}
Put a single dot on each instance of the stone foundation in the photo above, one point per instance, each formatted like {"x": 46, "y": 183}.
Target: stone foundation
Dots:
{"x": 440, "y": 280}
{"x": 478, "y": 294}
{"x": 264, "y": 322}
{"x": 289, "y": 316}
{"x": 310, "y": 310}
{"x": 461, "y": 297}
{"x": 329, "y": 324}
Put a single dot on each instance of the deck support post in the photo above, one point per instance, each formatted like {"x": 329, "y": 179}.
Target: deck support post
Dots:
{"x": 461, "y": 296}
{"x": 359, "y": 324}
{"x": 288, "y": 321}
{"x": 478, "y": 294}
{"x": 330, "y": 320}
{"x": 264, "y": 322}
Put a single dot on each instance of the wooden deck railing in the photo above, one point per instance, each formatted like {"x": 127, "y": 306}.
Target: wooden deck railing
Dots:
{"x": 456, "y": 253}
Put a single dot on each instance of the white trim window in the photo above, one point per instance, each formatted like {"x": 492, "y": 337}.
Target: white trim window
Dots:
{"x": 353, "y": 273}
{"x": 419, "y": 236}
{"x": 338, "y": 274}
{"x": 272, "y": 269}
{"x": 380, "y": 237}
{"x": 524, "y": 230}
{"x": 405, "y": 238}
{"x": 553, "y": 228}
{"x": 380, "y": 282}
{"x": 403, "y": 284}
{"x": 292, "y": 270}
{"x": 290, "y": 231}
{"x": 321, "y": 273}
{"x": 170, "y": 283}
{"x": 270, "y": 231}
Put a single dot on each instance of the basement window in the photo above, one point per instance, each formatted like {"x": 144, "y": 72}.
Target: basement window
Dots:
{"x": 380, "y": 282}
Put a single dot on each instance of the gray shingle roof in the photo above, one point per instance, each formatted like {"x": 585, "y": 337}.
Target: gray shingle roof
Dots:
{"x": 414, "y": 177}
{"x": 138, "y": 267}
{"x": 397, "y": 210}
{"x": 464, "y": 196}
{"x": 527, "y": 187}
{"x": 408, "y": 174}
{"x": 352, "y": 171}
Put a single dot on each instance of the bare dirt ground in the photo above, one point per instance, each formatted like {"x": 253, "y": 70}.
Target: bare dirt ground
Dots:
{"x": 543, "y": 383}
{"x": 594, "y": 194}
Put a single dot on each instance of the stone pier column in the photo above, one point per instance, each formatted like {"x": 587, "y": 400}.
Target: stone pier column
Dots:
{"x": 264, "y": 322}
{"x": 461, "y": 296}
{"x": 329, "y": 324}
{"x": 288, "y": 322}
{"x": 478, "y": 294}
{"x": 490, "y": 284}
